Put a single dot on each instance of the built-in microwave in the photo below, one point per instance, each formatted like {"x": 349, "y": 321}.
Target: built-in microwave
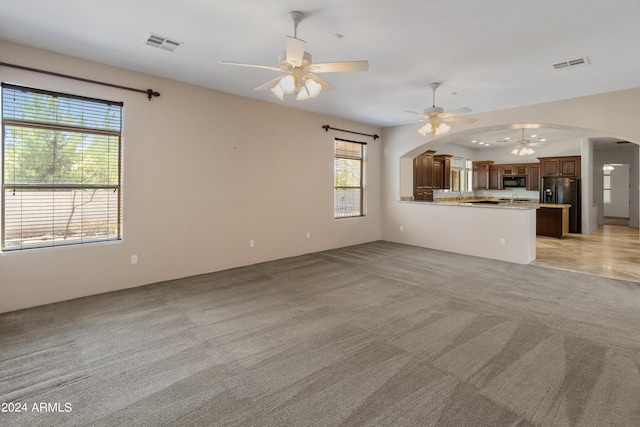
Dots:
{"x": 514, "y": 181}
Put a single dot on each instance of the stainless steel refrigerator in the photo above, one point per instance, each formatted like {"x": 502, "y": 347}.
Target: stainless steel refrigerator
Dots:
{"x": 564, "y": 190}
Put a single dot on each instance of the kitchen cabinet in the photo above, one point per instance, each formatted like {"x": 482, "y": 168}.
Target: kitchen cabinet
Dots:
{"x": 430, "y": 172}
{"x": 495, "y": 177}
{"x": 515, "y": 170}
{"x": 423, "y": 176}
{"x": 495, "y": 172}
{"x": 481, "y": 170}
{"x": 560, "y": 166}
{"x": 533, "y": 178}
{"x": 552, "y": 221}
{"x": 437, "y": 173}
{"x": 442, "y": 171}
{"x": 570, "y": 167}
{"x": 427, "y": 164}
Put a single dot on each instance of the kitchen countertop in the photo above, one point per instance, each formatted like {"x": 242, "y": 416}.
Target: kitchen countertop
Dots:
{"x": 554, "y": 205}
{"x": 493, "y": 203}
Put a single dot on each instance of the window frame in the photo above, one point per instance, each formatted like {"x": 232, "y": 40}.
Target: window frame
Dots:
{"x": 107, "y": 178}
{"x": 361, "y": 212}
{"x": 606, "y": 187}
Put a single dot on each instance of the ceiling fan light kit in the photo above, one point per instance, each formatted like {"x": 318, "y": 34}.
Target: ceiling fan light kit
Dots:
{"x": 436, "y": 117}
{"x": 300, "y": 78}
{"x": 522, "y": 151}
{"x": 523, "y": 148}
{"x": 434, "y": 127}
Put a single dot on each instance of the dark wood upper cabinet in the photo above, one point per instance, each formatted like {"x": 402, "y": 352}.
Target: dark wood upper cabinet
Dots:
{"x": 495, "y": 177}
{"x": 550, "y": 167}
{"x": 570, "y": 167}
{"x": 430, "y": 172}
{"x": 442, "y": 171}
{"x": 533, "y": 178}
{"x": 437, "y": 173}
{"x": 428, "y": 168}
{"x": 560, "y": 166}
{"x": 422, "y": 176}
{"x": 521, "y": 169}
{"x": 495, "y": 173}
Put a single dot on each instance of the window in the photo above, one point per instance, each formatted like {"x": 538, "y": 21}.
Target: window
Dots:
{"x": 606, "y": 184}
{"x": 60, "y": 169}
{"x": 458, "y": 174}
{"x": 349, "y": 178}
{"x": 469, "y": 171}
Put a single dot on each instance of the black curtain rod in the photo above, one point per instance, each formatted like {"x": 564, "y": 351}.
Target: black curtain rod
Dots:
{"x": 349, "y": 140}
{"x": 327, "y": 127}
{"x": 149, "y": 92}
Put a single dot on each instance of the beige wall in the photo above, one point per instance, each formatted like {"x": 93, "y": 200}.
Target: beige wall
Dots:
{"x": 204, "y": 173}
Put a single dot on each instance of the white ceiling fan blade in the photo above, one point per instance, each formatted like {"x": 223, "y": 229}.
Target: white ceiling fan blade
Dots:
{"x": 538, "y": 144}
{"x": 266, "y": 67}
{"x": 458, "y": 119}
{"x": 458, "y": 111}
{"x": 295, "y": 51}
{"x": 269, "y": 84}
{"x": 417, "y": 114}
{"x": 340, "y": 67}
{"x": 325, "y": 84}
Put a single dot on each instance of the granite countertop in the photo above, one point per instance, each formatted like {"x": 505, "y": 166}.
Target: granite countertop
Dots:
{"x": 554, "y": 205}
{"x": 492, "y": 202}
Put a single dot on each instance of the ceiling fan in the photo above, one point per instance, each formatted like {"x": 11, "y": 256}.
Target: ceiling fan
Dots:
{"x": 299, "y": 72}
{"x": 436, "y": 117}
{"x": 522, "y": 148}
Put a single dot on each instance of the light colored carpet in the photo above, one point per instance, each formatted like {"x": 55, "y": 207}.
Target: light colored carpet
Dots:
{"x": 378, "y": 334}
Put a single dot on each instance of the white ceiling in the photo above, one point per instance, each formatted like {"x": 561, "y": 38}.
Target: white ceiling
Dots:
{"x": 487, "y": 55}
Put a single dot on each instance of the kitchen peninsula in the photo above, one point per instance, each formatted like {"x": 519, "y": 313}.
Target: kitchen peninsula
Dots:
{"x": 552, "y": 219}
{"x": 485, "y": 223}
{"x": 506, "y": 233}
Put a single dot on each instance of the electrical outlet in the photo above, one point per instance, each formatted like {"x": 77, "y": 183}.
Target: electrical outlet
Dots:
{"x": 308, "y": 235}
{"x": 402, "y": 228}
{"x": 134, "y": 259}
{"x": 252, "y": 243}
{"x": 503, "y": 241}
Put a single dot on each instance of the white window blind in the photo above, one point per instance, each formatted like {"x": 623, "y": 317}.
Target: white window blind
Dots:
{"x": 349, "y": 179}
{"x": 61, "y": 169}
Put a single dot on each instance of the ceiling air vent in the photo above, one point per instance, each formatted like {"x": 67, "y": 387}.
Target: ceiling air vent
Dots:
{"x": 572, "y": 63}
{"x": 162, "y": 42}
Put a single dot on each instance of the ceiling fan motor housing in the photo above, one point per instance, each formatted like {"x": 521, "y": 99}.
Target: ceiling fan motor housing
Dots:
{"x": 285, "y": 66}
{"x": 433, "y": 111}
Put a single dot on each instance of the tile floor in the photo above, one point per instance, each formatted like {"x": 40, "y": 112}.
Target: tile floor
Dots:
{"x": 610, "y": 251}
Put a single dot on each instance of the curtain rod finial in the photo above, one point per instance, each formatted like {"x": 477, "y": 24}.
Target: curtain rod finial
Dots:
{"x": 151, "y": 93}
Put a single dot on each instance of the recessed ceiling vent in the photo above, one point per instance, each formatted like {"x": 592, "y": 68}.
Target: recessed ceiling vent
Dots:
{"x": 572, "y": 63}
{"x": 162, "y": 42}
